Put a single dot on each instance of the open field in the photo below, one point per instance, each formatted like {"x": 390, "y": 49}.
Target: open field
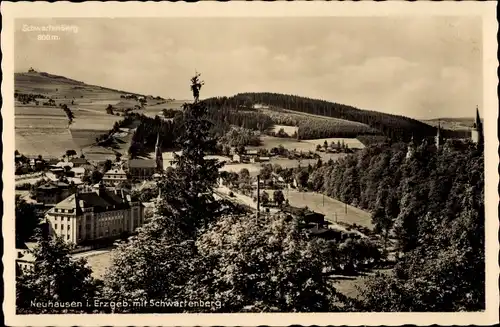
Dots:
{"x": 452, "y": 123}
{"x": 45, "y": 130}
{"x": 289, "y": 130}
{"x": 26, "y": 111}
{"x": 98, "y": 260}
{"x": 47, "y": 142}
{"x": 351, "y": 142}
{"x": 348, "y": 285}
{"x": 333, "y": 210}
{"x": 269, "y": 142}
{"x": 254, "y": 168}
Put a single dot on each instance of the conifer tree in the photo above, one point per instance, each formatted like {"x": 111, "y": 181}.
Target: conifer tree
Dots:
{"x": 187, "y": 191}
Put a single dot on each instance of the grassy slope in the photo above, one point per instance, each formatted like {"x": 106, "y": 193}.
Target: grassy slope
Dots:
{"x": 38, "y": 129}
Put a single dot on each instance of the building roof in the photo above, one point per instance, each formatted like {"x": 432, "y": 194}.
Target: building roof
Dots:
{"x": 79, "y": 170}
{"x": 79, "y": 160}
{"x": 104, "y": 201}
{"x": 75, "y": 180}
{"x": 25, "y": 256}
{"x": 142, "y": 163}
{"x": 115, "y": 172}
{"x": 64, "y": 163}
{"x": 252, "y": 152}
{"x": 53, "y": 185}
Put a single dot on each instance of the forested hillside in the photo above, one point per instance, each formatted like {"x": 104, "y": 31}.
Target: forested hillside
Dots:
{"x": 433, "y": 205}
{"x": 393, "y": 126}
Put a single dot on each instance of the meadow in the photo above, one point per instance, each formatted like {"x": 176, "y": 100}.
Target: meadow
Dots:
{"x": 46, "y": 130}
{"x": 334, "y": 210}
{"x": 269, "y": 142}
{"x": 289, "y": 130}
{"x": 351, "y": 143}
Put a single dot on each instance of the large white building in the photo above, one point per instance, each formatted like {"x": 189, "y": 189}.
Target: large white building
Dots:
{"x": 114, "y": 177}
{"x": 93, "y": 215}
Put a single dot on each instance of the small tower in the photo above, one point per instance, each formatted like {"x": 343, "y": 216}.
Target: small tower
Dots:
{"x": 411, "y": 148}
{"x": 477, "y": 129}
{"x": 158, "y": 154}
{"x": 438, "y": 138}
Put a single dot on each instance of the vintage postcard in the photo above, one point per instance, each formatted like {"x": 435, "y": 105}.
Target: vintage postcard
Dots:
{"x": 250, "y": 163}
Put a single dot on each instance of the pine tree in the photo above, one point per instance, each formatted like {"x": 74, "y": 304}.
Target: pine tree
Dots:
{"x": 187, "y": 191}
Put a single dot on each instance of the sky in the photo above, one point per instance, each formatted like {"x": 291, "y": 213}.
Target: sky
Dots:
{"x": 421, "y": 67}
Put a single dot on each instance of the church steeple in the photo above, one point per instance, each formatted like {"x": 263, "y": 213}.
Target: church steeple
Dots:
{"x": 158, "y": 154}
{"x": 438, "y": 135}
{"x": 411, "y": 148}
{"x": 477, "y": 129}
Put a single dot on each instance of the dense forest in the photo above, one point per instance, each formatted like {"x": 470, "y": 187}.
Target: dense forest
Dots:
{"x": 432, "y": 203}
{"x": 223, "y": 117}
{"x": 145, "y": 135}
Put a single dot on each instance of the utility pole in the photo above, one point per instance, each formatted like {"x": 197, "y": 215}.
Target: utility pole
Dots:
{"x": 346, "y": 208}
{"x": 258, "y": 196}
{"x": 323, "y": 199}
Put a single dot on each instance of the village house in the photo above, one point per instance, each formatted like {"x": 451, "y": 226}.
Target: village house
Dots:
{"x": 238, "y": 158}
{"x": 78, "y": 162}
{"x": 114, "y": 177}
{"x": 63, "y": 164}
{"x": 78, "y": 172}
{"x": 249, "y": 156}
{"x": 24, "y": 258}
{"x": 278, "y": 181}
{"x": 252, "y": 155}
{"x": 141, "y": 169}
{"x": 52, "y": 192}
{"x": 98, "y": 214}
{"x": 56, "y": 171}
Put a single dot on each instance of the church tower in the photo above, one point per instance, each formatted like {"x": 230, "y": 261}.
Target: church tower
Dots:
{"x": 438, "y": 138}
{"x": 158, "y": 154}
{"x": 477, "y": 129}
{"x": 411, "y": 148}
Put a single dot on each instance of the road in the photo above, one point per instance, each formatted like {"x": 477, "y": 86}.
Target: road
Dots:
{"x": 240, "y": 198}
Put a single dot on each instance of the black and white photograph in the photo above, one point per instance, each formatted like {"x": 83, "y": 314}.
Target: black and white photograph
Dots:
{"x": 209, "y": 164}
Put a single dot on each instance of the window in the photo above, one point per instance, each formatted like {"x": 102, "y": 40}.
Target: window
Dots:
{"x": 67, "y": 237}
{"x": 68, "y": 227}
{"x": 55, "y": 226}
{"x": 56, "y": 210}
